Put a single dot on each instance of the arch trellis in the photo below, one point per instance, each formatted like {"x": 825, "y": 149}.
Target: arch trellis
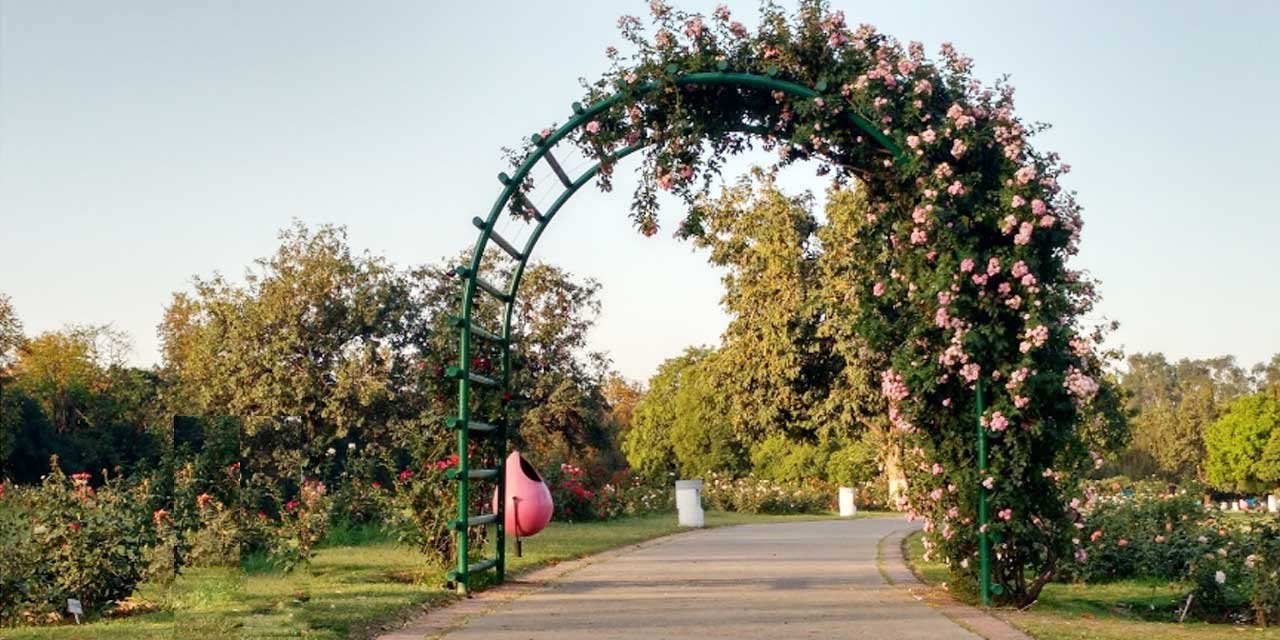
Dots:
{"x": 957, "y": 279}
{"x": 468, "y": 426}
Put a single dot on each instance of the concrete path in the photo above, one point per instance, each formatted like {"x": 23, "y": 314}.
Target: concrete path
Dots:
{"x": 771, "y": 581}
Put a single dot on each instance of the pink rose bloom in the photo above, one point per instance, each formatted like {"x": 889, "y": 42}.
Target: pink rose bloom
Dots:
{"x": 929, "y": 136}
{"x": 993, "y": 266}
{"x": 956, "y": 188}
{"x": 1021, "y": 401}
{"x": 958, "y": 148}
{"x": 966, "y": 265}
{"x": 918, "y": 236}
{"x": 980, "y": 279}
{"x": 1047, "y": 221}
{"x": 878, "y": 289}
{"x": 998, "y": 422}
{"x": 1038, "y": 207}
{"x": 1025, "y": 175}
{"x": 970, "y": 371}
{"x": 913, "y": 141}
{"x": 1024, "y": 234}
{"x": 593, "y": 127}
{"x": 1017, "y": 202}
{"x": 1006, "y": 514}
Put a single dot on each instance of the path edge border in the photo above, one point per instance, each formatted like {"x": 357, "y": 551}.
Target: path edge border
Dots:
{"x": 893, "y": 567}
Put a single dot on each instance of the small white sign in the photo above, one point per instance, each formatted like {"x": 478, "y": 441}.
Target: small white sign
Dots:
{"x": 74, "y": 608}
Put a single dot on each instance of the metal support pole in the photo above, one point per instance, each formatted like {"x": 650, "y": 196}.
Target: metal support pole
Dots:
{"x": 984, "y": 542}
{"x": 464, "y": 462}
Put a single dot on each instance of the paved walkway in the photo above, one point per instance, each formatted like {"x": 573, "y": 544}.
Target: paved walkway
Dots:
{"x": 771, "y": 581}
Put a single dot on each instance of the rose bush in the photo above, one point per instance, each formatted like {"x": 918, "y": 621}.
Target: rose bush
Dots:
{"x": 68, "y": 539}
{"x": 962, "y": 257}
{"x": 303, "y": 524}
{"x": 1150, "y": 530}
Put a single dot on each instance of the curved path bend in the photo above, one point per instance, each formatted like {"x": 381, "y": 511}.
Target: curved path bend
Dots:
{"x": 770, "y": 581}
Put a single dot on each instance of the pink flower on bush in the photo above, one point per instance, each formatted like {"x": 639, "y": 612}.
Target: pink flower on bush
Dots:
{"x": 878, "y": 289}
{"x": 1024, "y": 234}
{"x": 998, "y": 422}
{"x": 970, "y": 372}
{"x": 1005, "y": 514}
{"x": 966, "y": 265}
{"x": 1025, "y": 175}
{"x": 160, "y": 516}
{"x": 405, "y": 475}
{"x": 593, "y": 127}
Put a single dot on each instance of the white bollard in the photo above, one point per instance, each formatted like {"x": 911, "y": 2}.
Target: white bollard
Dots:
{"x": 689, "y": 503}
{"x": 848, "y": 508}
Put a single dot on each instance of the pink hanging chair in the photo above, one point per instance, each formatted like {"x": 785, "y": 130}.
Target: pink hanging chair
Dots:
{"x": 529, "y": 505}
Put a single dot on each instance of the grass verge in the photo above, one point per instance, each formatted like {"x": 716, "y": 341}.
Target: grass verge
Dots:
{"x": 1120, "y": 610}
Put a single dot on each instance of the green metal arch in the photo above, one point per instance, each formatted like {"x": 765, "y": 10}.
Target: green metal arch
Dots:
{"x": 464, "y": 423}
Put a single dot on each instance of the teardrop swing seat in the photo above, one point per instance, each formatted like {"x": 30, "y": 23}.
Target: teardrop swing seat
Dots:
{"x": 529, "y": 505}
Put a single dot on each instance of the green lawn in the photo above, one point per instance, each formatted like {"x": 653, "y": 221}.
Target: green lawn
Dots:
{"x": 345, "y": 590}
{"x": 1120, "y": 610}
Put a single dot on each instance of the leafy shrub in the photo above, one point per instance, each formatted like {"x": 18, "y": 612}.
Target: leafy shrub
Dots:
{"x": 66, "y": 539}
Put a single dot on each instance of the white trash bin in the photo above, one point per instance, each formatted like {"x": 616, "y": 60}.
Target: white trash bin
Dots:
{"x": 689, "y": 503}
{"x": 848, "y": 508}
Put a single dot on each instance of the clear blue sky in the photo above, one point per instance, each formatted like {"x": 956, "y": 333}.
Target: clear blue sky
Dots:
{"x": 144, "y": 142}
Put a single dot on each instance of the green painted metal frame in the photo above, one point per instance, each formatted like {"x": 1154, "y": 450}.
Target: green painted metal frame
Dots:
{"x": 463, "y": 422}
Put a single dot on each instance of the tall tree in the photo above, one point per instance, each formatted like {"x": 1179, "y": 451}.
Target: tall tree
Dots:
{"x": 1173, "y": 404}
{"x": 773, "y": 365}
{"x": 1244, "y": 445}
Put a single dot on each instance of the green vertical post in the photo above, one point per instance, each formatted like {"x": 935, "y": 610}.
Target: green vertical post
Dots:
{"x": 464, "y": 463}
{"x": 500, "y": 530}
{"x": 984, "y": 542}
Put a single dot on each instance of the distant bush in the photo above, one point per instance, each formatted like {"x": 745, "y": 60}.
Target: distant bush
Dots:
{"x": 753, "y": 495}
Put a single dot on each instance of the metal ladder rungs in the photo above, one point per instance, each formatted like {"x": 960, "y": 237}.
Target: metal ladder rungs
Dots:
{"x": 475, "y": 567}
{"x": 475, "y": 521}
{"x": 492, "y": 290}
{"x": 498, "y": 240}
{"x": 474, "y": 426}
{"x": 455, "y": 372}
{"x": 559, "y": 171}
{"x": 480, "y": 333}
